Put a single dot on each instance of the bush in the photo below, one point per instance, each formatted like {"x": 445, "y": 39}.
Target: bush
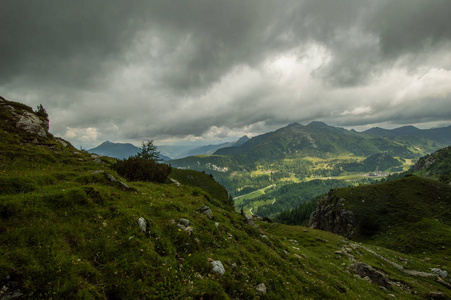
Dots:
{"x": 141, "y": 169}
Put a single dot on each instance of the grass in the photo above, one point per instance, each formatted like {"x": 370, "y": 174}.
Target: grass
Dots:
{"x": 81, "y": 240}
{"x": 410, "y": 215}
{"x": 67, "y": 231}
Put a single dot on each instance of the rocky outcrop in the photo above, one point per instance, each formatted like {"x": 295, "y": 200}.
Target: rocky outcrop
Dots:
{"x": 206, "y": 211}
{"x": 332, "y": 215}
{"x": 32, "y": 124}
{"x": 25, "y": 119}
{"x": 366, "y": 271}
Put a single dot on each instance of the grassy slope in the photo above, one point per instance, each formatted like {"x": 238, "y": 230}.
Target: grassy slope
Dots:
{"x": 411, "y": 215}
{"x": 66, "y": 231}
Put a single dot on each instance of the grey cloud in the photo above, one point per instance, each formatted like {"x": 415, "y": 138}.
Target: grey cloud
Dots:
{"x": 153, "y": 67}
{"x": 412, "y": 26}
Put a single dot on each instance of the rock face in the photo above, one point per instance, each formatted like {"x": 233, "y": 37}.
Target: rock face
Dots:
{"x": 332, "y": 215}
{"x": 32, "y": 124}
{"x": 26, "y": 119}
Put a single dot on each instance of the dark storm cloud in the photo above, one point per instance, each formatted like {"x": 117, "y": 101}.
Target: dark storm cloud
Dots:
{"x": 202, "y": 67}
{"x": 412, "y": 26}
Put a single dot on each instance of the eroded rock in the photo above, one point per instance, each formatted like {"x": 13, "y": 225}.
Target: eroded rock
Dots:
{"x": 218, "y": 267}
{"x": 142, "y": 224}
{"x": 206, "y": 211}
{"x": 364, "y": 270}
{"x": 261, "y": 289}
{"x": 332, "y": 215}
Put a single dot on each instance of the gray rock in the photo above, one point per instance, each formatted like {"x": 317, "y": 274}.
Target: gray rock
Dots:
{"x": 249, "y": 221}
{"x": 61, "y": 141}
{"x": 364, "y": 270}
{"x": 184, "y": 222}
{"x": 206, "y": 211}
{"x": 175, "y": 182}
{"x": 181, "y": 226}
{"x": 32, "y": 124}
{"x": 113, "y": 179}
{"x": 441, "y": 273}
{"x": 189, "y": 230}
{"x": 437, "y": 295}
{"x": 261, "y": 289}
{"x": 218, "y": 267}
{"x": 331, "y": 215}
{"x": 142, "y": 224}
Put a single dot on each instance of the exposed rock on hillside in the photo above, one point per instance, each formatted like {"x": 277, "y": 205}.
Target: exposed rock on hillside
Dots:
{"x": 27, "y": 120}
{"x": 364, "y": 270}
{"x": 331, "y": 215}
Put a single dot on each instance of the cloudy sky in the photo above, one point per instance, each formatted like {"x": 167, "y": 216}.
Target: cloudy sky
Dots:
{"x": 210, "y": 70}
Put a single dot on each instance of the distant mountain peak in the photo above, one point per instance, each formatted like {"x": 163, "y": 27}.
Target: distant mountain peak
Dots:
{"x": 317, "y": 124}
{"x": 242, "y": 140}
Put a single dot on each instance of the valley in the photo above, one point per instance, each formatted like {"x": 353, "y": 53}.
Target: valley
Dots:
{"x": 72, "y": 227}
{"x": 299, "y": 154}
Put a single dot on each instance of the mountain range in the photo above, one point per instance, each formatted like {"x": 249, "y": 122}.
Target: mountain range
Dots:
{"x": 298, "y": 153}
{"x": 125, "y": 150}
{"x": 72, "y": 228}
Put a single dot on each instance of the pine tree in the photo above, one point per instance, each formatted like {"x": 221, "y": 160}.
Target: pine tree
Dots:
{"x": 149, "y": 151}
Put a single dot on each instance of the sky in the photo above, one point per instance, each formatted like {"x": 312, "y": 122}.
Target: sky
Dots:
{"x": 205, "y": 71}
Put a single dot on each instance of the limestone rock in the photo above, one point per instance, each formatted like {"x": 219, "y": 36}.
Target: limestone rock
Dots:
{"x": 331, "y": 215}
{"x": 61, "y": 141}
{"x": 142, "y": 224}
{"x": 189, "y": 230}
{"x": 113, "y": 179}
{"x": 441, "y": 273}
{"x": 206, "y": 211}
{"x": 184, "y": 222}
{"x": 261, "y": 289}
{"x": 364, "y": 270}
{"x": 175, "y": 182}
{"x": 32, "y": 124}
{"x": 218, "y": 267}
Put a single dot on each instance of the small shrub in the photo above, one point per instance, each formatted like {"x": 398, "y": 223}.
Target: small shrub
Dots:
{"x": 140, "y": 169}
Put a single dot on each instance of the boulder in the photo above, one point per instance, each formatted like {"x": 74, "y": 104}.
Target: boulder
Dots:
{"x": 184, "y": 222}
{"x": 218, "y": 267}
{"x": 364, "y": 270}
{"x": 261, "y": 289}
{"x": 142, "y": 224}
{"x": 32, "y": 124}
{"x": 206, "y": 211}
{"x": 439, "y": 272}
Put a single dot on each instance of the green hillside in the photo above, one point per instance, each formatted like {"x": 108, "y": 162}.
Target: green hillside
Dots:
{"x": 71, "y": 228}
{"x": 410, "y": 215}
{"x": 298, "y": 153}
